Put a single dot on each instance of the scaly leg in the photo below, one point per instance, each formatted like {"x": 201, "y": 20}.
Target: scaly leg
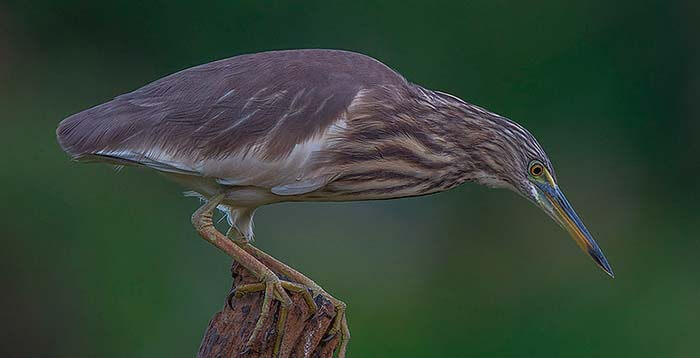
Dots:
{"x": 340, "y": 324}
{"x": 273, "y": 287}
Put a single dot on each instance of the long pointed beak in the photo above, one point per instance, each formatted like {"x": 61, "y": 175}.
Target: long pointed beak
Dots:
{"x": 567, "y": 218}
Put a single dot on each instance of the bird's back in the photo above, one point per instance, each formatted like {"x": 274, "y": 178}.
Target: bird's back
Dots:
{"x": 267, "y": 102}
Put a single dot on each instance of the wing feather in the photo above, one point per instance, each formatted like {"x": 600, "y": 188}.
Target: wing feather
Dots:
{"x": 230, "y": 118}
{"x": 276, "y": 99}
{"x": 300, "y": 187}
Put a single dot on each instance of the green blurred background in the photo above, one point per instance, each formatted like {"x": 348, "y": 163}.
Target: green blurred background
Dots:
{"x": 99, "y": 263}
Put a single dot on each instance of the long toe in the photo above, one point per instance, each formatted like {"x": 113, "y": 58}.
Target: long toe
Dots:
{"x": 339, "y": 326}
{"x": 273, "y": 289}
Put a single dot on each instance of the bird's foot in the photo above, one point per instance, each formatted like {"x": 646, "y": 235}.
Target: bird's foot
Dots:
{"x": 340, "y": 324}
{"x": 273, "y": 289}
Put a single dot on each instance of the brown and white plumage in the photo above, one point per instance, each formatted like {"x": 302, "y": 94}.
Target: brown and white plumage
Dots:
{"x": 296, "y": 125}
{"x": 311, "y": 125}
{"x": 305, "y": 125}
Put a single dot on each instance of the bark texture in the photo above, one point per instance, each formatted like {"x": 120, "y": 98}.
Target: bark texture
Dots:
{"x": 304, "y": 336}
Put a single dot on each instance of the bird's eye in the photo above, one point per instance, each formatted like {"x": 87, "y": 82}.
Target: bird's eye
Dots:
{"x": 536, "y": 169}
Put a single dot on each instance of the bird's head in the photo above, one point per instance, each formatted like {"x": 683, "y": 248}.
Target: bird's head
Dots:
{"x": 541, "y": 188}
{"x": 507, "y": 155}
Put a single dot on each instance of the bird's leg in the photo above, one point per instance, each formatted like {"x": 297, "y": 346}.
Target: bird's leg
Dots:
{"x": 340, "y": 324}
{"x": 273, "y": 287}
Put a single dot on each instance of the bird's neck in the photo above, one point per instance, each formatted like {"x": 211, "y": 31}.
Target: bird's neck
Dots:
{"x": 472, "y": 137}
{"x": 408, "y": 142}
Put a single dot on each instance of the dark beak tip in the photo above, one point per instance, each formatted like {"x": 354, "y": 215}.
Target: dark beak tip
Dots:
{"x": 601, "y": 261}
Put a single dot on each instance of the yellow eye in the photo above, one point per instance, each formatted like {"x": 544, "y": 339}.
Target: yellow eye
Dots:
{"x": 536, "y": 169}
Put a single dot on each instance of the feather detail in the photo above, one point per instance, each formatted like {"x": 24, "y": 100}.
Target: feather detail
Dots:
{"x": 300, "y": 187}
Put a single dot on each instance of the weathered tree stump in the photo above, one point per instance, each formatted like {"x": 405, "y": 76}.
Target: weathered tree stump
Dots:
{"x": 305, "y": 335}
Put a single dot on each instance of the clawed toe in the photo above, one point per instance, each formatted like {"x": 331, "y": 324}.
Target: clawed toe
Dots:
{"x": 339, "y": 327}
{"x": 328, "y": 337}
{"x": 230, "y": 297}
{"x": 241, "y": 290}
{"x": 274, "y": 289}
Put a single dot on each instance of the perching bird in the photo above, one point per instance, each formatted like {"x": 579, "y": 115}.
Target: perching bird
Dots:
{"x": 310, "y": 125}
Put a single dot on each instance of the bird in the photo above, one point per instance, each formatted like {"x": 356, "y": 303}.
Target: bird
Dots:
{"x": 310, "y": 125}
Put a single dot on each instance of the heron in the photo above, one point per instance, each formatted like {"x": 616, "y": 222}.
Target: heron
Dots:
{"x": 310, "y": 125}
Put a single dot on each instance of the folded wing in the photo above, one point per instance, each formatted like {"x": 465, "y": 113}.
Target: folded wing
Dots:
{"x": 248, "y": 120}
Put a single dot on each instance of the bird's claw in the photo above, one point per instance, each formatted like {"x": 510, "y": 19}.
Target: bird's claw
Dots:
{"x": 328, "y": 337}
{"x": 339, "y": 326}
{"x": 229, "y": 298}
{"x": 242, "y": 290}
{"x": 274, "y": 289}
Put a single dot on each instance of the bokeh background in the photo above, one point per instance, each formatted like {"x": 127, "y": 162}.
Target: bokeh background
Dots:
{"x": 106, "y": 264}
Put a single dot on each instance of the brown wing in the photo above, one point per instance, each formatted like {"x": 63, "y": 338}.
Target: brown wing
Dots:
{"x": 267, "y": 102}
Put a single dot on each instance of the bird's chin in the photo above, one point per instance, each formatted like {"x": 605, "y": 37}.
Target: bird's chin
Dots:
{"x": 493, "y": 182}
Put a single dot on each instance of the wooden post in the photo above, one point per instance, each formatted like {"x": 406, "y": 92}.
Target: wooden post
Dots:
{"x": 305, "y": 335}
